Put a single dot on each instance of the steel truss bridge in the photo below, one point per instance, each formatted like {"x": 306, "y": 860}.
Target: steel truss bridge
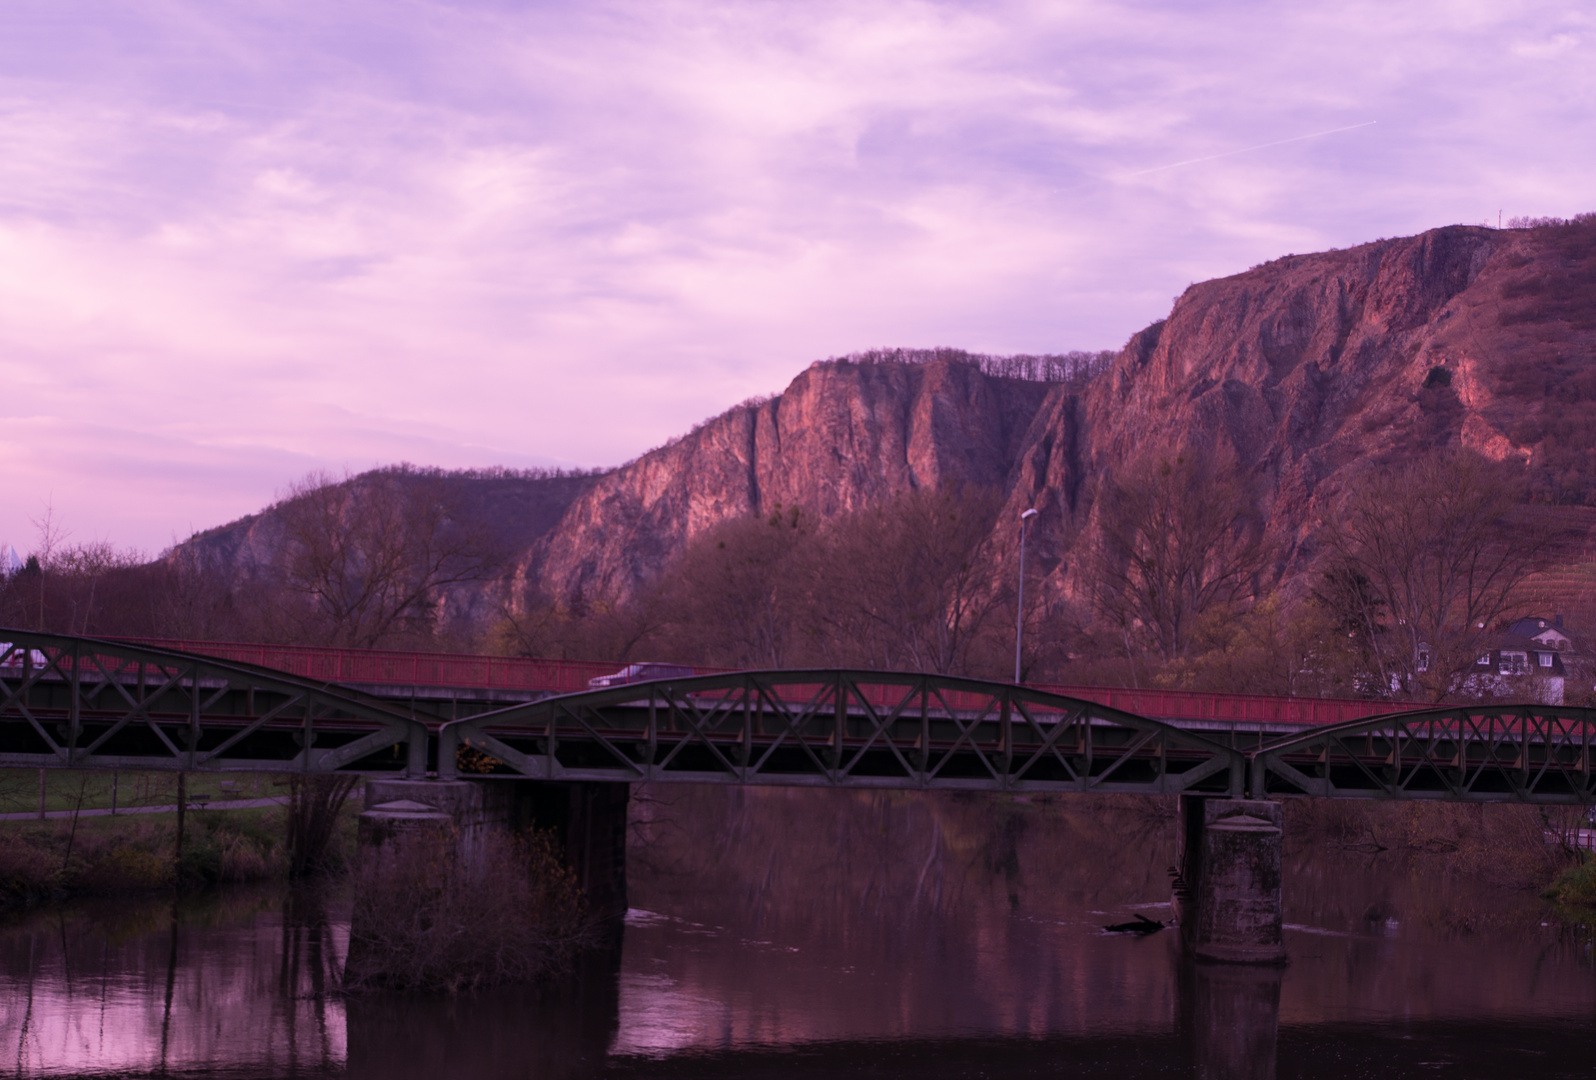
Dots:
{"x": 82, "y": 703}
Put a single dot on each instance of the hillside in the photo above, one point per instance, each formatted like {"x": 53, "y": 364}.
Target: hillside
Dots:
{"x": 1313, "y": 368}
{"x": 1308, "y": 369}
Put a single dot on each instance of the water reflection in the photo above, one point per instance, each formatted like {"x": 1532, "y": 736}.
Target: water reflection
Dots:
{"x": 532, "y": 1034}
{"x": 1230, "y": 1019}
{"x": 163, "y": 987}
{"x": 807, "y": 933}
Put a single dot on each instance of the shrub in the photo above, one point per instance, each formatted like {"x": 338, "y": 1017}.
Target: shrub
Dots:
{"x": 1576, "y": 887}
{"x": 427, "y": 918}
{"x": 125, "y": 868}
{"x": 26, "y": 868}
{"x": 315, "y": 803}
{"x": 243, "y": 859}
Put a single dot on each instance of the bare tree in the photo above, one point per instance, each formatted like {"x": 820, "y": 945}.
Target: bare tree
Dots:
{"x": 737, "y": 591}
{"x": 183, "y": 597}
{"x": 1178, "y": 541}
{"x": 1424, "y": 562}
{"x": 52, "y": 534}
{"x": 914, "y": 582}
{"x": 81, "y": 569}
{"x": 367, "y": 558}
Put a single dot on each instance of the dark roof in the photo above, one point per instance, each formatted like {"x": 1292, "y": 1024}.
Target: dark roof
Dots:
{"x": 1538, "y": 624}
{"x": 1508, "y": 639}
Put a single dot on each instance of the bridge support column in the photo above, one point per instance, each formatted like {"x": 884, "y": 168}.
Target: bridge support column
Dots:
{"x": 1228, "y": 891}
{"x": 588, "y": 819}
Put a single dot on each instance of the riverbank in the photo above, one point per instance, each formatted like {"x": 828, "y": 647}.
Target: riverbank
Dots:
{"x": 100, "y": 845}
{"x": 30, "y": 792}
{"x": 93, "y": 856}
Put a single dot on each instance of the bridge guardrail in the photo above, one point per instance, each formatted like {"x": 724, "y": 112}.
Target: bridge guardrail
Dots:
{"x": 367, "y": 667}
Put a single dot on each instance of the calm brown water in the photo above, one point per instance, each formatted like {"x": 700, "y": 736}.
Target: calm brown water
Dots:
{"x": 798, "y": 934}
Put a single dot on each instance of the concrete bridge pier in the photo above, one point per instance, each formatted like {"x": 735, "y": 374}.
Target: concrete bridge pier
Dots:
{"x": 587, "y": 818}
{"x": 1227, "y": 891}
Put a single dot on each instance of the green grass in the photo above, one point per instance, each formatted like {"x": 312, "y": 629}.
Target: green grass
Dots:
{"x": 59, "y": 857}
{"x": 63, "y": 788}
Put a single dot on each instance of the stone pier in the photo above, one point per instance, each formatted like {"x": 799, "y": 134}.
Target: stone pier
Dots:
{"x": 1228, "y": 889}
{"x": 587, "y": 818}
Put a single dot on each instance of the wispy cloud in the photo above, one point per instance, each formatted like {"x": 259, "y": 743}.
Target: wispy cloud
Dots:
{"x": 240, "y": 242}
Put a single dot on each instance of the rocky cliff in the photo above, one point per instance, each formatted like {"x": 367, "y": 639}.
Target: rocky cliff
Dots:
{"x": 1308, "y": 369}
{"x": 1314, "y": 367}
{"x": 843, "y": 435}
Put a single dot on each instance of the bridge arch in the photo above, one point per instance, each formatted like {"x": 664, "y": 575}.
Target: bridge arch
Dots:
{"x": 839, "y": 728}
{"x": 92, "y": 703}
{"x": 1470, "y": 753}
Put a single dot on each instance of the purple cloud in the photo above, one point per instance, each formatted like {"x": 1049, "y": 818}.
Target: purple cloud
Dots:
{"x": 239, "y": 243}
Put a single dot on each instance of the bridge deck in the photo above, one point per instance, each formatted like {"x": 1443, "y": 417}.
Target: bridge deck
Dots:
{"x": 431, "y": 679}
{"x": 82, "y": 703}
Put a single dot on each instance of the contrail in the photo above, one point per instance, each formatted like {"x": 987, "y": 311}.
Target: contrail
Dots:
{"x": 1250, "y": 149}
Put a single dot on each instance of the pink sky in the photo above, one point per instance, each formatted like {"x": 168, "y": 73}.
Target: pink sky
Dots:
{"x": 240, "y": 242}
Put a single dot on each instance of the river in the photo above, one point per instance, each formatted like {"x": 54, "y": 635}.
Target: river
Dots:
{"x": 802, "y": 933}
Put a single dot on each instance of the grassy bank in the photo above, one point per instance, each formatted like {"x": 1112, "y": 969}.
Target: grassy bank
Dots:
{"x": 67, "y": 789}
{"x": 104, "y": 855}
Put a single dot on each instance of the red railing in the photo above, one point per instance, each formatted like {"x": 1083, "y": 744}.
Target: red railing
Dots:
{"x": 453, "y": 670}
{"x": 382, "y": 668}
{"x": 1239, "y": 708}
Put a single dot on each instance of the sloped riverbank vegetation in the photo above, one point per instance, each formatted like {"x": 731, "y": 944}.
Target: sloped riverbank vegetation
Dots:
{"x": 1576, "y": 885}
{"x": 82, "y": 849}
{"x": 43, "y": 860}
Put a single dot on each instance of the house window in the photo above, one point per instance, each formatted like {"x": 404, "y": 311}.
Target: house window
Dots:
{"x": 1424, "y": 660}
{"x": 1514, "y": 663}
{"x": 1545, "y": 658}
{"x": 1485, "y": 658}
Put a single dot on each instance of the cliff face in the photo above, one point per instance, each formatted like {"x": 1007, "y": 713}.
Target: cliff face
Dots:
{"x": 842, "y": 436}
{"x": 1312, "y": 368}
{"x": 1307, "y": 369}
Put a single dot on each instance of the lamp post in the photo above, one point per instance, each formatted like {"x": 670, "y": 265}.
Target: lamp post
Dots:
{"x": 1019, "y": 600}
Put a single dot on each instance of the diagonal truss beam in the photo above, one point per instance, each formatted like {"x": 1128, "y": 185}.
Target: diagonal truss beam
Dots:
{"x": 1528, "y": 753}
{"x": 843, "y": 728}
{"x": 77, "y": 702}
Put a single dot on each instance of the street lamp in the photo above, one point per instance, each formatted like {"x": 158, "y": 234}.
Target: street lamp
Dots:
{"x": 1019, "y": 602}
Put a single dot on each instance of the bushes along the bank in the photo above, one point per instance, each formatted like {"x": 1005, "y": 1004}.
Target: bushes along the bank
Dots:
{"x": 428, "y": 919}
{"x": 107, "y": 855}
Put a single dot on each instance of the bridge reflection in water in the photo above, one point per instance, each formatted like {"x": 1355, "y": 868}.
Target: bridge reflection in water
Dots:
{"x": 977, "y": 951}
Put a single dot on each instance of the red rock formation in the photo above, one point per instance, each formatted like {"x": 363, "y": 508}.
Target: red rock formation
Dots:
{"x": 842, "y": 436}
{"x": 1313, "y": 367}
{"x": 1308, "y": 369}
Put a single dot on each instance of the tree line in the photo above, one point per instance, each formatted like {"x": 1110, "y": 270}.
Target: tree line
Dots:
{"x": 357, "y": 561}
{"x": 1171, "y": 580}
{"x": 1074, "y": 368}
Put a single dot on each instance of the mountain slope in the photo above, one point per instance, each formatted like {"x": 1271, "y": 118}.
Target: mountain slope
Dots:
{"x": 1308, "y": 369}
{"x": 1313, "y": 368}
{"x": 842, "y": 436}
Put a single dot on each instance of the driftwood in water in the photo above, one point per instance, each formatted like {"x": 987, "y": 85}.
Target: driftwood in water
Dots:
{"x": 1142, "y": 925}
